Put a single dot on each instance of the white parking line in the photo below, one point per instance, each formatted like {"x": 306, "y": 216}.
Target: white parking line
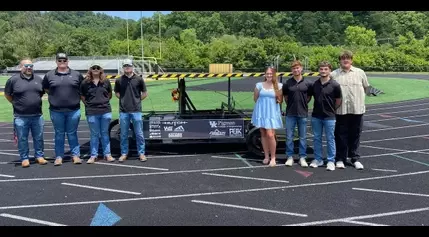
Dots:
{"x": 387, "y": 139}
{"x": 9, "y": 154}
{"x": 391, "y": 192}
{"x": 395, "y": 107}
{"x": 131, "y": 166}
{"x": 249, "y": 208}
{"x": 102, "y": 189}
{"x": 31, "y": 150}
{"x": 214, "y": 193}
{"x": 362, "y": 223}
{"x": 30, "y": 220}
{"x": 130, "y": 175}
{"x": 398, "y": 118}
{"x": 169, "y": 156}
{"x": 396, "y": 112}
{"x": 246, "y": 177}
{"x": 353, "y": 218}
{"x": 7, "y": 176}
{"x": 49, "y": 132}
{"x": 234, "y": 158}
{"x": 395, "y": 138}
{"x": 395, "y": 128}
{"x": 385, "y": 170}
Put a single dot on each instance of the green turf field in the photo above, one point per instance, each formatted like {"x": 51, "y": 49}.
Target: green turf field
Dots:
{"x": 160, "y": 95}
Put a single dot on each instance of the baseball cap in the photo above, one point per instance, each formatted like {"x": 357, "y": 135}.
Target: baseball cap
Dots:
{"x": 127, "y": 62}
{"x": 61, "y": 56}
{"x": 94, "y": 64}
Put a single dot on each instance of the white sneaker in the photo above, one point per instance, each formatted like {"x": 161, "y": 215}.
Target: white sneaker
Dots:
{"x": 330, "y": 166}
{"x": 303, "y": 162}
{"x": 316, "y": 163}
{"x": 358, "y": 165}
{"x": 289, "y": 161}
{"x": 340, "y": 165}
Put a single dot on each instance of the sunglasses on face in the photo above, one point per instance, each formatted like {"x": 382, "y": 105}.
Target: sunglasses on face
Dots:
{"x": 95, "y": 68}
{"x": 128, "y": 65}
{"x": 62, "y": 60}
{"x": 28, "y": 65}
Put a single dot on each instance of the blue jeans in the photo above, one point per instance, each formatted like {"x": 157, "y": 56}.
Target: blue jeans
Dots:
{"x": 23, "y": 125}
{"x": 291, "y": 122}
{"x": 317, "y": 126}
{"x": 137, "y": 120}
{"x": 66, "y": 123}
{"x": 99, "y": 127}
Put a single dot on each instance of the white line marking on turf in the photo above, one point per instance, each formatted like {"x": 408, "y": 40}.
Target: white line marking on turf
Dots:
{"x": 213, "y": 193}
{"x": 362, "y": 223}
{"x": 246, "y": 177}
{"x": 30, "y": 220}
{"x": 385, "y": 170}
{"x": 391, "y": 192}
{"x": 7, "y": 176}
{"x": 131, "y": 166}
{"x": 249, "y": 208}
{"x": 361, "y": 217}
{"x": 102, "y": 189}
{"x": 233, "y": 158}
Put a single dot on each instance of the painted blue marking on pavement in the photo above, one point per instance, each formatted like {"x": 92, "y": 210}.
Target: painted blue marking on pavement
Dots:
{"x": 416, "y": 161}
{"x": 242, "y": 159}
{"x": 410, "y": 120}
{"x": 104, "y": 216}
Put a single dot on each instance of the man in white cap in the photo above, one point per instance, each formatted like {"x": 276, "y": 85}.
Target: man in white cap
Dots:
{"x": 131, "y": 90}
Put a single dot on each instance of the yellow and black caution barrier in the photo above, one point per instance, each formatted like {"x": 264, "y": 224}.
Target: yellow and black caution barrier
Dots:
{"x": 211, "y": 75}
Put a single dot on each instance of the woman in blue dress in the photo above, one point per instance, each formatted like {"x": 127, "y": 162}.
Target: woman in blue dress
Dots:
{"x": 267, "y": 114}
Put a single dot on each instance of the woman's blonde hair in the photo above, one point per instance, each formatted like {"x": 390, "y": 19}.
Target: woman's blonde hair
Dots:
{"x": 275, "y": 83}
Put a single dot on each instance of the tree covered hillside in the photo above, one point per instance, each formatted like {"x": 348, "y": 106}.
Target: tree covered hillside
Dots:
{"x": 381, "y": 41}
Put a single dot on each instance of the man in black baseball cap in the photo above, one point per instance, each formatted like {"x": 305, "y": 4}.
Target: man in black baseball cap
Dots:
{"x": 63, "y": 87}
{"x": 62, "y": 56}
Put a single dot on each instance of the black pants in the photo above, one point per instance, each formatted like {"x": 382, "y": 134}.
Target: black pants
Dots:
{"x": 348, "y": 129}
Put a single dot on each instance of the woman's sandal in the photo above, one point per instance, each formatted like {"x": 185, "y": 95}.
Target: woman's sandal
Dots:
{"x": 266, "y": 161}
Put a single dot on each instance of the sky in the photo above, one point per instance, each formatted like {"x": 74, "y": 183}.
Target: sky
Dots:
{"x": 134, "y": 15}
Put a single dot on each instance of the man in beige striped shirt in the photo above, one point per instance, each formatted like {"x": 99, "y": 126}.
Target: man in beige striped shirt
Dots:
{"x": 349, "y": 115}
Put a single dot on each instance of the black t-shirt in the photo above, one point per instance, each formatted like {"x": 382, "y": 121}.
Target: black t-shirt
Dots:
{"x": 97, "y": 97}
{"x": 26, "y": 94}
{"x": 130, "y": 93}
{"x": 297, "y": 93}
{"x": 64, "y": 90}
{"x": 324, "y": 98}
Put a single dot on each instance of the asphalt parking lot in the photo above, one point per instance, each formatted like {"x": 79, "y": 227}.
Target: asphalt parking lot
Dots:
{"x": 225, "y": 186}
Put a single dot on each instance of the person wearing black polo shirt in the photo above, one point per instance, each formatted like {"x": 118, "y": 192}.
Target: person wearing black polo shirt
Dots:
{"x": 24, "y": 91}
{"x": 327, "y": 98}
{"x": 131, "y": 90}
{"x": 96, "y": 93}
{"x": 63, "y": 87}
{"x": 297, "y": 94}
